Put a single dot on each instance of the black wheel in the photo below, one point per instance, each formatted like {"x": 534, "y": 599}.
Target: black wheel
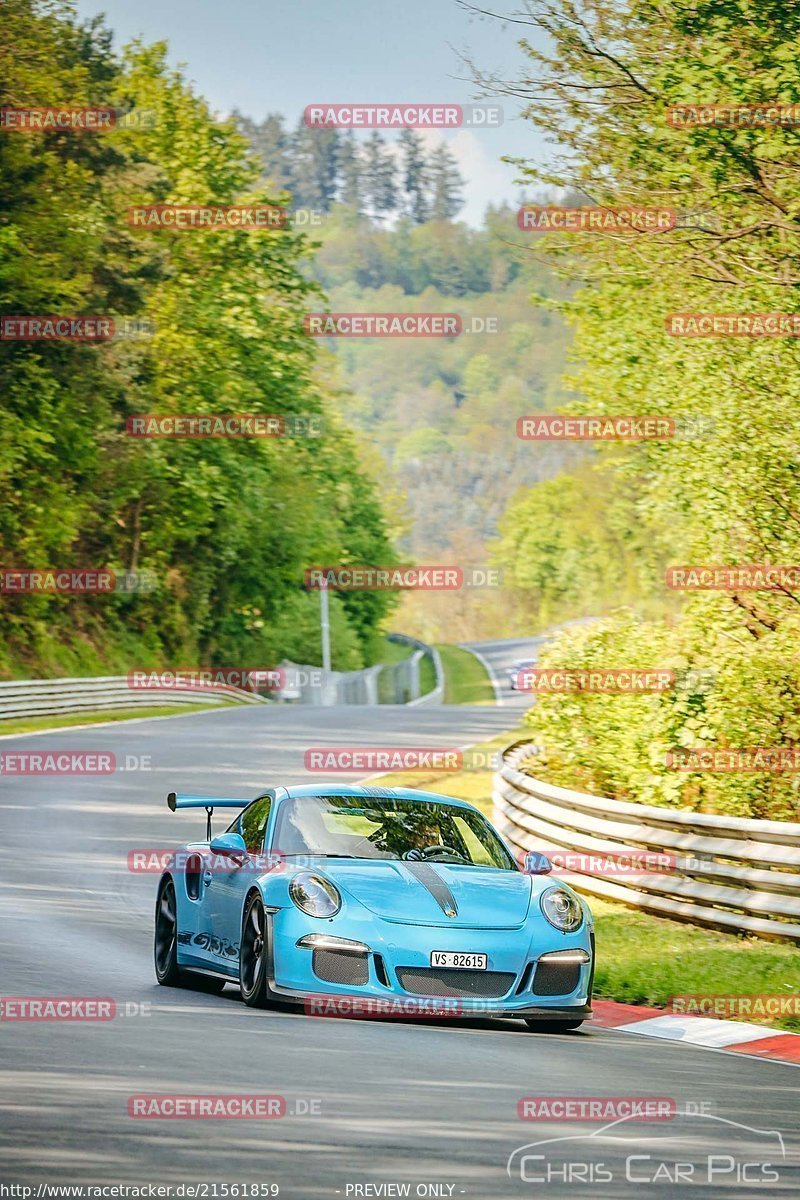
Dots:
{"x": 552, "y": 1026}
{"x": 253, "y": 954}
{"x": 168, "y": 973}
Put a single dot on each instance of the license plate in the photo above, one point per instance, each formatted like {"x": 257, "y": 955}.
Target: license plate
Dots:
{"x": 461, "y": 962}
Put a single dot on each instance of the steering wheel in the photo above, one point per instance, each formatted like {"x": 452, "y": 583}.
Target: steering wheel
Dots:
{"x": 430, "y": 851}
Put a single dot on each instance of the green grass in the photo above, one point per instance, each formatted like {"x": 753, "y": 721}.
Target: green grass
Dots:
{"x": 98, "y": 716}
{"x": 642, "y": 959}
{"x": 465, "y": 678}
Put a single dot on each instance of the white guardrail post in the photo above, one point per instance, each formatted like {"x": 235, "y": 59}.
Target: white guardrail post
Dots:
{"x": 730, "y": 873}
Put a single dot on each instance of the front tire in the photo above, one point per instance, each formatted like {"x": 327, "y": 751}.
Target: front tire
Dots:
{"x": 552, "y": 1026}
{"x": 253, "y": 954}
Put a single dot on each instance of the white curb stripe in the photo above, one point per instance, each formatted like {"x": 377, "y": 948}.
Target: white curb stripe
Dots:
{"x": 701, "y": 1031}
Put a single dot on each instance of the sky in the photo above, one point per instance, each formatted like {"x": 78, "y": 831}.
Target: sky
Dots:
{"x": 265, "y": 56}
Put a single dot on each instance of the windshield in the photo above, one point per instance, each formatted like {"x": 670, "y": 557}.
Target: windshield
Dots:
{"x": 415, "y": 830}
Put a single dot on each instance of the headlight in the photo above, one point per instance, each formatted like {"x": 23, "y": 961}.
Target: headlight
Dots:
{"x": 562, "y": 909}
{"x": 314, "y": 895}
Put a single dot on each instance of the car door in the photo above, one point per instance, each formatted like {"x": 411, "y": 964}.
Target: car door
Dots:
{"x": 228, "y": 886}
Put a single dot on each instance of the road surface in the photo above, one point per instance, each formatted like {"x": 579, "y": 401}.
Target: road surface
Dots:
{"x": 498, "y": 657}
{"x": 370, "y": 1102}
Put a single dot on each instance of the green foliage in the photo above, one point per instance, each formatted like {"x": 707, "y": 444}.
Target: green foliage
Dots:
{"x": 727, "y": 489}
{"x": 730, "y": 691}
{"x": 226, "y": 526}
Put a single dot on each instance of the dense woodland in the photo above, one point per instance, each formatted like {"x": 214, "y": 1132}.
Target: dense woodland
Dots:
{"x": 226, "y": 527}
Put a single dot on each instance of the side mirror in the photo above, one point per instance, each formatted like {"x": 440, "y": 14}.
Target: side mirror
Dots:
{"x": 229, "y": 845}
{"x": 534, "y": 863}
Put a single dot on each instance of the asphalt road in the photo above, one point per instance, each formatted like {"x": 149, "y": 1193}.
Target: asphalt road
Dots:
{"x": 499, "y": 657}
{"x": 369, "y": 1102}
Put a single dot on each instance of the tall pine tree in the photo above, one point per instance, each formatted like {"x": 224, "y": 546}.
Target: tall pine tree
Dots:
{"x": 415, "y": 176}
{"x": 446, "y": 184}
{"x": 380, "y": 176}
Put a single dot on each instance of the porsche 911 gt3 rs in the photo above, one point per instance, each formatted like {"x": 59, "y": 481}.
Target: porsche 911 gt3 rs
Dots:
{"x": 376, "y": 893}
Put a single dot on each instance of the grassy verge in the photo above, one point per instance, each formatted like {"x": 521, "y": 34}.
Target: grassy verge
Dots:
{"x": 465, "y": 679}
{"x": 99, "y": 716}
{"x": 643, "y": 959}
{"x": 646, "y": 960}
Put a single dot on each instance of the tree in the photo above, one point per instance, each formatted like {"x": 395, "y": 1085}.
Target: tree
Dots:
{"x": 315, "y": 167}
{"x": 351, "y": 173}
{"x": 415, "y": 176}
{"x": 602, "y": 88}
{"x": 226, "y": 527}
{"x": 380, "y": 176}
{"x": 446, "y": 184}
{"x": 271, "y": 143}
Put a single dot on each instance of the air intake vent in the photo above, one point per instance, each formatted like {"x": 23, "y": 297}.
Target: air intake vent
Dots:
{"x": 333, "y": 967}
{"x": 442, "y": 982}
{"x": 555, "y": 978}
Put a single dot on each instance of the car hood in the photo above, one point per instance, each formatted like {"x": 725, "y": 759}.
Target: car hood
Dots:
{"x": 417, "y": 893}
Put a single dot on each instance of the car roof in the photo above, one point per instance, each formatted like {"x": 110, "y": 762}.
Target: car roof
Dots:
{"x": 309, "y": 790}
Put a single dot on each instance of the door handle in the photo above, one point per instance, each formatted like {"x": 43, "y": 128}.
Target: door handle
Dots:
{"x": 207, "y": 877}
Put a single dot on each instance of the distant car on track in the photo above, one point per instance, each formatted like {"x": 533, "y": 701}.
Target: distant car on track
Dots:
{"x": 522, "y": 664}
{"x": 381, "y": 893}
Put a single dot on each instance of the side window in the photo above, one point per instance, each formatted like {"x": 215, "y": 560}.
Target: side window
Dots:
{"x": 253, "y": 824}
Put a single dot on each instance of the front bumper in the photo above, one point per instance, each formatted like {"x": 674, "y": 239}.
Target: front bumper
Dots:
{"x": 400, "y": 953}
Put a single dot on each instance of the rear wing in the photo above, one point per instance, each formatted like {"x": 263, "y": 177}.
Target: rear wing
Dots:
{"x": 175, "y": 801}
{"x": 209, "y": 803}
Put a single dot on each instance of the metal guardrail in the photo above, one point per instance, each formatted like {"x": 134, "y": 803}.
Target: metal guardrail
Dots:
{"x": 43, "y": 697}
{"x": 421, "y": 650}
{"x": 728, "y": 873}
{"x": 386, "y": 683}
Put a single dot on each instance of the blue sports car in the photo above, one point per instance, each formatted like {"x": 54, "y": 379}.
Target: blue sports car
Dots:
{"x": 385, "y": 894}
